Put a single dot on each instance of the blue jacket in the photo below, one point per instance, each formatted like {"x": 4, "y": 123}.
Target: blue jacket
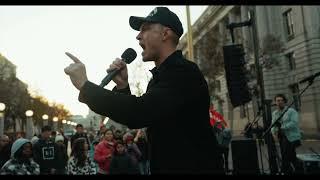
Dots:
{"x": 289, "y": 124}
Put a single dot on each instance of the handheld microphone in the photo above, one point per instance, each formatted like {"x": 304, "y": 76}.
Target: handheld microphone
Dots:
{"x": 309, "y": 78}
{"x": 128, "y": 56}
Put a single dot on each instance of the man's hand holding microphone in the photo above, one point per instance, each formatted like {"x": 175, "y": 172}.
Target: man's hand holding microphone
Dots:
{"x": 117, "y": 71}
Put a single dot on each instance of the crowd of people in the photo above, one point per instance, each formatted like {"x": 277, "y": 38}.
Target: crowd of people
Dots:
{"x": 108, "y": 152}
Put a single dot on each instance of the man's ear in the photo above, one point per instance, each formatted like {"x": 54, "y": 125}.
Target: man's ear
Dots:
{"x": 166, "y": 34}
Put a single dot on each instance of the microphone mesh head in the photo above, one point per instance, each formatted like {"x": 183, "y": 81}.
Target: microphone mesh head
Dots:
{"x": 129, "y": 55}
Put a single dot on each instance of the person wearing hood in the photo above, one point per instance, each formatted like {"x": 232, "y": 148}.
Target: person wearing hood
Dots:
{"x": 21, "y": 162}
{"x": 61, "y": 155}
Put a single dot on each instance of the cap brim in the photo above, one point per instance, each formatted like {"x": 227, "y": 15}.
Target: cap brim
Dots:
{"x": 135, "y": 22}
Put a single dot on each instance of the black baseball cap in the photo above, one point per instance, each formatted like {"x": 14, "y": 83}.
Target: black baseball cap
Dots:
{"x": 161, "y": 15}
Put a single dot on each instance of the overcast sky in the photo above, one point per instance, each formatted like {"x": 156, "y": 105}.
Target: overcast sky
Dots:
{"x": 34, "y": 38}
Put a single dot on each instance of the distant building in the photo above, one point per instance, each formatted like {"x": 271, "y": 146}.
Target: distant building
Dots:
{"x": 95, "y": 120}
{"x": 79, "y": 119}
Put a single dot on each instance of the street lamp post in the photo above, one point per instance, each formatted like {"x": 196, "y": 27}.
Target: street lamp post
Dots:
{"x": 55, "y": 123}
{"x": 29, "y": 130}
{"x": 2, "y": 108}
{"x": 64, "y": 124}
{"x": 45, "y": 119}
{"x": 68, "y": 125}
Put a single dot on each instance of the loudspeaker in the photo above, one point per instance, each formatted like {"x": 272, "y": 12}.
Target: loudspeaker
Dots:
{"x": 245, "y": 156}
{"x": 235, "y": 73}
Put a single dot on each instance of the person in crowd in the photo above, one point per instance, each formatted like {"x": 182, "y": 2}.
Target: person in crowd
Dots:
{"x": 53, "y": 135}
{"x": 101, "y": 132}
{"x": 79, "y": 162}
{"x": 44, "y": 152}
{"x": 141, "y": 141}
{"x": 287, "y": 132}
{"x": 103, "y": 153}
{"x": 34, "y": 140}
{"x": 62, "y": 155}
{"x": 91, "y": 152}
{"x": 121, "y": 162}
{"x": 5, "y": 149}
{"x": 79, "y": 133}
{"x": 118, "y": 135}
{"x": 176, "y": 102}
{"x": 66, "y": 139}
{"x": 21, "y": 162}
{"x": 133, "y": 149}
{"x": 224, "y": 136}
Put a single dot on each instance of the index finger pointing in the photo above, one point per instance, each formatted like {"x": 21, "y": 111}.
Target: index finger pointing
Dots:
{"x": 75, "y": 59}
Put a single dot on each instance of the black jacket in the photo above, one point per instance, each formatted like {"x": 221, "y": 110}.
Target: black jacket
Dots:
{"x": 45, "y": 154}
{"x": 78, "y": 135}
{"x": 123, "y": 164}
{"x": 5, "y": 153}
{"x": 175, "y": 109}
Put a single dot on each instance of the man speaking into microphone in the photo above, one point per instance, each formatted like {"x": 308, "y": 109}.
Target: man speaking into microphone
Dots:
{"x": 175, "y": 106}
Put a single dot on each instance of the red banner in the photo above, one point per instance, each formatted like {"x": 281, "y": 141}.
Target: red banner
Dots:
{"x": 215, "y": 116}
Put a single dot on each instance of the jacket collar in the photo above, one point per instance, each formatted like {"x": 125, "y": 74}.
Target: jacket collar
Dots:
{"x": 173, "y": 59}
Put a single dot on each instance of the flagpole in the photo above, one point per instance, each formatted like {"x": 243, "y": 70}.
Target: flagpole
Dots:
{"x": 190, "y": 43}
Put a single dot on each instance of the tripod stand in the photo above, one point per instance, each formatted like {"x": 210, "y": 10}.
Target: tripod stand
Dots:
{"x": 259, "y": 140}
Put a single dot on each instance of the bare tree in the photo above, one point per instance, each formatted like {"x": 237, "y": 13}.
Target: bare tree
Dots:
{"x": 210, "y": 59}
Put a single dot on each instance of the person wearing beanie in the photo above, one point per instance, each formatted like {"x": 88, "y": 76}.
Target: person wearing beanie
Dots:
{"x": 58, "y": 138}
{"x": 34, "y": 140}
{"x": 21, "y": 162}
{"x": 61, "y": 155}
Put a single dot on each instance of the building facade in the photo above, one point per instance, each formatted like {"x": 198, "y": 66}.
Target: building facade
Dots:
{"x": 296, "y": 29}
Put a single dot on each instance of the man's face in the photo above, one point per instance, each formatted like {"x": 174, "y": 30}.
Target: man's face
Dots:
{"x": 280, "y": 102}
{"x": 79, "y": 130}
{"x": 4, "y": 141}
{"x": 150, "y": 38}
{"x": 46, "y": 134}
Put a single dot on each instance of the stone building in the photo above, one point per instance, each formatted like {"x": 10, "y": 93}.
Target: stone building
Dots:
{"x": 296, "y": 28}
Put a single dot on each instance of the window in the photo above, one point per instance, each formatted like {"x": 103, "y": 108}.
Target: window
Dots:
{"x": 294, "y": 89}
{"x": 291, "y": 61}
{"x": 288, "y": 24}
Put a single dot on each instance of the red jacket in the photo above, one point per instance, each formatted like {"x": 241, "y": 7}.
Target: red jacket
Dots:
{"x": 102, "y": 151}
